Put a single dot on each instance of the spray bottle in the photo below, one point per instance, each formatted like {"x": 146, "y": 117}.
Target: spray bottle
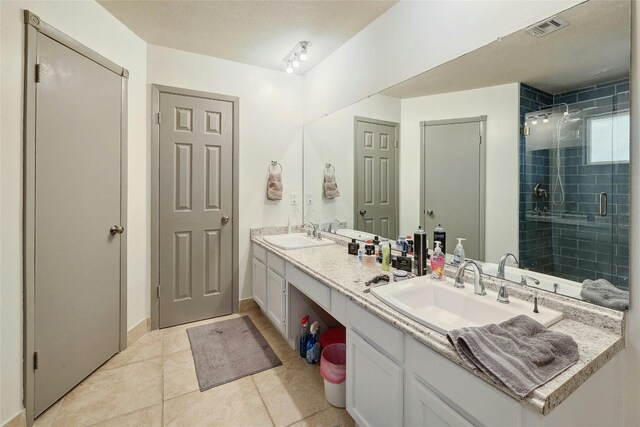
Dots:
{"x": 313, "y": 345}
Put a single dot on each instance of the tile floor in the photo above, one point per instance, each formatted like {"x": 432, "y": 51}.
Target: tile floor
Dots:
{"x": 153, "y": 383}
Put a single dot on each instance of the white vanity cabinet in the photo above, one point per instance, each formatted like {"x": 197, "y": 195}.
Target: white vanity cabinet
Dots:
{"x": 270, "y": 286}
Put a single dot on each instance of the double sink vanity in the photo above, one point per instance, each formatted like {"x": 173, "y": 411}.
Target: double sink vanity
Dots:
{"x": 401, "y": 369}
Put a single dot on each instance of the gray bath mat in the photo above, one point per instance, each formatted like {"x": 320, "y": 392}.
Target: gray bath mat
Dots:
{"x": 228, "y": 350}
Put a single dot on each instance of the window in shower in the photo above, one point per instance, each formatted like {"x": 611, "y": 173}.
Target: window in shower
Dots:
{"x": 608, "y": 138}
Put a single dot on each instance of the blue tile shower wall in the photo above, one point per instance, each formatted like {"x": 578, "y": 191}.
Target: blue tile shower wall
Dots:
{"x": 536, "y": 244}
{"x": 575, "y": 242}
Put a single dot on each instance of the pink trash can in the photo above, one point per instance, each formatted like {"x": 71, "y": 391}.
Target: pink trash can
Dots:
{"x": 333, "y": 368}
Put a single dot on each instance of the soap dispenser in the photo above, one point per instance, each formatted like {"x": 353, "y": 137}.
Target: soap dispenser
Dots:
{"x": 458, "y": 253}
{"x": 437, "y": 263}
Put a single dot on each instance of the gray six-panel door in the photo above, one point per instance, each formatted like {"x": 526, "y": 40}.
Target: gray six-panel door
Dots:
{"x": 77, "y": 202}
{"x": 195, "y": 253}
{"x": 376, "y": 177}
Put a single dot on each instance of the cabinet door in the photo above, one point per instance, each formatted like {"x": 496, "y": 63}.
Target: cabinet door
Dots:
{"x": 276, "y": 288}
{"x": 374, "y": 385}
{"x": 428, "y": 409}
{"x": 260, "y": 283}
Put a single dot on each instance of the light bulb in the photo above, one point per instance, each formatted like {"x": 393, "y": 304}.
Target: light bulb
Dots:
{"x": 545, "y": 120}
{"x": 534, "y": 121}
{"x": 303, "y": 54}
{"x": 295, "y": 61}
{"x": 289, "y": 68}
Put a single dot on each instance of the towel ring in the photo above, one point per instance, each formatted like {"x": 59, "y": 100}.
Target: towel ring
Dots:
{"x": 329, "y": 166}
{"x": 274, "y": 164}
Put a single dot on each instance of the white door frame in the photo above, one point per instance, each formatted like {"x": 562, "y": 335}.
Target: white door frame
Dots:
{"x": 156, "y": 90}
{"x": 33, "y": 26}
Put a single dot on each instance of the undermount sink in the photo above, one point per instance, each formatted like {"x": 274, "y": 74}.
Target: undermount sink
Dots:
{"x": 439, "y": 306}
{"x": 296, "y": 241}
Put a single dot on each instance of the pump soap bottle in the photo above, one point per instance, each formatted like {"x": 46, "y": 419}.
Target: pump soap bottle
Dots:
{"x": 458, "y": 253}
{"x": 437, "y": 263}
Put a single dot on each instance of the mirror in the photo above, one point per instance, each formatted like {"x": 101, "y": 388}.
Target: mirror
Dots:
{"x": 521, "y": 146}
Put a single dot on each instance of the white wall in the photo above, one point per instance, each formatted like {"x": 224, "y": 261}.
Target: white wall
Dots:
{"x": 331, "y": 139}
{"x": 410, "y": 38}
{"x": 89, "y": 23}
{"x": 501, "y": 106}
{"x": 270, "y": 129}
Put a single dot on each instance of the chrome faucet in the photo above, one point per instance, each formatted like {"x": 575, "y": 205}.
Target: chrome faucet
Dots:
{"x": 313, "y": 232}
{"x": 526, "y": 278}
{"x": 503, "y": 261}
{"x": 478, "y": 285}
{"x": 331, "y": 229}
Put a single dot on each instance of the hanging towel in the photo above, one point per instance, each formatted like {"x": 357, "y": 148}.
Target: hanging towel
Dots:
{"x": 274, "y": 186}
{"x": 330, "y": 186}
{"x": 604, "y": 294}
{"x": 520, "y": 352}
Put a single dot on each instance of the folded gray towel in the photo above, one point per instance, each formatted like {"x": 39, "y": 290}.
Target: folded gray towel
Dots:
{"x": 330, "y": 187}
{"x": 604, "y": 294}
{"x": 520, "y": 353}
{"x": 274, "y": 186}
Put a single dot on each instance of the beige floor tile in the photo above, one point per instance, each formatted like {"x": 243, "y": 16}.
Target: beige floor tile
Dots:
{"x": 279, "y": 345}
{"x": 233, "y": 404}
{"x": 292, "y": 392}
{"x": 111, "y": 393}
{"x": 179, "y": 374}
{"x": 260, "y": 320}
{"x": 149, "y": 346}
{"x": 147, "y": 417}
{"x": 332, "y": 417}
{"x": 48, "y": 417}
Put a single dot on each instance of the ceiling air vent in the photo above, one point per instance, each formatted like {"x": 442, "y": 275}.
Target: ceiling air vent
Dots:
{"x": 543, "y": 28}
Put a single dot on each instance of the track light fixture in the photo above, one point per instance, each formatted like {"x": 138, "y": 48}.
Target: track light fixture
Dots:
{"x": 298, "y": 54}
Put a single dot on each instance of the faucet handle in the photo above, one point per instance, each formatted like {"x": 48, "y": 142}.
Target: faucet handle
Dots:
{"x": 503, "y": 294}
{"x": 459, "y": 281}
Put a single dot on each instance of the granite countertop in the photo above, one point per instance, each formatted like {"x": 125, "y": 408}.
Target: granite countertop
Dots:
{"x": 599, "y": 332}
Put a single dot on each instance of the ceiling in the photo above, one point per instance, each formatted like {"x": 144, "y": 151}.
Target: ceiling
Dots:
{"x": 252, "y": 32}
{"x": 594, "y": 48}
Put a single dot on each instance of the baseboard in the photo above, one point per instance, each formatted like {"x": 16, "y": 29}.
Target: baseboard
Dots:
{"x": 19, "y": 420}
{"x": 247, "y": 304}
{"x": 138, "y": 331}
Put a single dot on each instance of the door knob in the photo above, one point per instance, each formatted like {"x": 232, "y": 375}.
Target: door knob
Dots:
{"x": 363, "y": 211}
{"x": 430, "y": 212}
{"x": 225, "y": 219}
{"x": 116, "y": 229}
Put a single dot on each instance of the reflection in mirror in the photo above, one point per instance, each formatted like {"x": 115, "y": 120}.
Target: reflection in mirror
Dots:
{"x": 521, "y": 146}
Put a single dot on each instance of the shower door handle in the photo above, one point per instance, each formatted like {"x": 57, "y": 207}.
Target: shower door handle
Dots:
{"x": 603, "y": 204}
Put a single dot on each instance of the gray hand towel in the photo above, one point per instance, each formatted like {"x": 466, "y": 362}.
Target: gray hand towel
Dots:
{"x": 274, "y": 186}
{"x": 604, "y": 294}
{"x": 520, "y": 352}
{"x": 330, "y": 187}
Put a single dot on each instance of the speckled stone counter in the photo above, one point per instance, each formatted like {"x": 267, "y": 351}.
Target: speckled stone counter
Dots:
{"x": 599, "y": 332}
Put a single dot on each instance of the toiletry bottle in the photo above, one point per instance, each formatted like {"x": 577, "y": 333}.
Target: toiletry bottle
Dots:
{"x": 376, "y": 240}
{"x": 420, "y": 251}
{"x": 403, "y": 262}
{"x": 313, "y": 345}
{"x": 382, "y": 244}
{"x": 304, "y": 336}
{"x": 360, "y": 259}
{"x": 440, "y": 235}
{"x": 400, "y": 243}
{"x": 369, "y": 248}
{"x": 410, "y": 244}
{"x": 437, "y": 263}
{"x": 386, "y": 256}
{"x": 353, "y": 247}
{"x": 458, "y": 253}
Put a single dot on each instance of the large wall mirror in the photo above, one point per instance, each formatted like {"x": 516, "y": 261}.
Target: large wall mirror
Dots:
{"x": 520, "y": 147}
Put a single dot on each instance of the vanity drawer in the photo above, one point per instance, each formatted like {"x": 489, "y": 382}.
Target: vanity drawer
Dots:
{"x": 260, "y": 253}
{"x": 312, "y": 288}
{"x": 376, "y": 331}
{"x": 276, "y": 263}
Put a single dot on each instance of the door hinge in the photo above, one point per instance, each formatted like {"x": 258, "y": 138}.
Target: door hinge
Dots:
{"x": 158, "y": 291}
{"x": 36, "y": 359}
{"x": 158, "y": 118}
{"x": 38, "y": 73}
